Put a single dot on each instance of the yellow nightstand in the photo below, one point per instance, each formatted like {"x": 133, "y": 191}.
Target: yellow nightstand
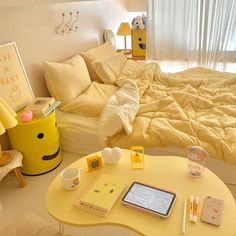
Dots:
{"x": 38, "y": 141}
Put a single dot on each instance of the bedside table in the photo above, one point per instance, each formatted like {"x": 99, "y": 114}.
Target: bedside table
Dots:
{"x": 129, "y": 55}
{"x": 38, "y": 141}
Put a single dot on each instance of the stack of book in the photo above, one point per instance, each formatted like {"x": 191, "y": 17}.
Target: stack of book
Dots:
{"x": 42, "y": 106}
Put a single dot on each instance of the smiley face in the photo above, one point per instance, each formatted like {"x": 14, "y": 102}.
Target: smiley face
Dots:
{"x": 38, "y": 141}
{"x": 141, "y": 45}
{"x": 139, "y": 42}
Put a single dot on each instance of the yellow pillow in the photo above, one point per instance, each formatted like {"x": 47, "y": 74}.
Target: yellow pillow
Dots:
{"x": 68, "y": 79}
{"x": 93, "y": 54}
{"x": 92, "y": 101}
{"x": 108, "y": 68}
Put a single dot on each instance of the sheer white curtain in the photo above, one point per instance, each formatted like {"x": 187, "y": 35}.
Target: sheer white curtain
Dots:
{"x": 199, "y": 32}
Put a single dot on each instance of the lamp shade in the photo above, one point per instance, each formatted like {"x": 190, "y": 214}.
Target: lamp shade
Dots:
{"x": 7, "y": 116}
{"x": 124, "y": 29}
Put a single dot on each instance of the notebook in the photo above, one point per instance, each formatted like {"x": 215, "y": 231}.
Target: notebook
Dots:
{"x": 100, "y": 196}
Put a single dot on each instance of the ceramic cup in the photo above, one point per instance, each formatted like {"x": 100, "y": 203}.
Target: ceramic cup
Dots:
{"x": 70, "y": 178}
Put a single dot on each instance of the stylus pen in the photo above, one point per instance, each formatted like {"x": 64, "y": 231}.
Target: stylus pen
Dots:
{"x": 184, "y": 216}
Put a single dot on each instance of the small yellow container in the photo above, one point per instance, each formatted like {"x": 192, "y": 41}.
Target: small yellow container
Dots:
{"x": 38, "y": 141}
{"x": 137, "y": 157}
{"x": 139, "y": 43}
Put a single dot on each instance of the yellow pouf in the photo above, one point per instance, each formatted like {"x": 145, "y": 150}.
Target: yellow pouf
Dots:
{"x": 38, "y": 141}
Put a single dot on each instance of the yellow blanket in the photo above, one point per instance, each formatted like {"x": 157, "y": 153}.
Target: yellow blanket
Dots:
{"x": 193, "y": 107}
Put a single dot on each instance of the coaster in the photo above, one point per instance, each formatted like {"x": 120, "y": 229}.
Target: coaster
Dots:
{"x": 5, "y": 159}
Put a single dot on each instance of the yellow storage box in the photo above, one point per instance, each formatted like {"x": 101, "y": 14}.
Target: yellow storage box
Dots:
{"x": 139, "y": 43}
{"x": 38, "y": 141}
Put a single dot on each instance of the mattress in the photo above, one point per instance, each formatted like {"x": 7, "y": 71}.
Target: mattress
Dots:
{"x": 78, "y": 132}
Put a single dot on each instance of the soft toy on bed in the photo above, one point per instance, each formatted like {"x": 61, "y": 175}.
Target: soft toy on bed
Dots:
{"x": 138, "y": 23}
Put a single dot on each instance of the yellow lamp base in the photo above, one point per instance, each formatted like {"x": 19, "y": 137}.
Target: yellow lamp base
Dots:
{"x": 5, "y": 159}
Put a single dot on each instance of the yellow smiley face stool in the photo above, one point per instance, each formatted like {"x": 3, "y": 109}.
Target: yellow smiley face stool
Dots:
{"x": 38, "y": 141}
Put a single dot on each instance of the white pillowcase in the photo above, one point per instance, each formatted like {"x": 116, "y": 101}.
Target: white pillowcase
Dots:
{"x": 108, "y": 68}
{"x": 68, "y": 79}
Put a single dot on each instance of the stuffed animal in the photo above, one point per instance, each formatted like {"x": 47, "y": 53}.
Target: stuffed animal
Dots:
{"x": 144, "y": 20}
{"x": 137, "y": 23}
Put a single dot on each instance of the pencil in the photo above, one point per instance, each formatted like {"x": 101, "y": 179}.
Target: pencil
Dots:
{"x": 191, "y": 208}
{"x": 184, "y": 216}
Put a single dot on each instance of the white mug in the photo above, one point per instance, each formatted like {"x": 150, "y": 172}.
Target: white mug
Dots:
{"x": 70, "y": 178}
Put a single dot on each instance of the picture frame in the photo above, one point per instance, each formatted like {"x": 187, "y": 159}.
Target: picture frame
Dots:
{"x": 15, "y": 88}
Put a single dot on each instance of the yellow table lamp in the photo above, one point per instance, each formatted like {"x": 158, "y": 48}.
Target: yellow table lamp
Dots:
{"x": 7, "y": 121}
{"x": 124, "y": 30}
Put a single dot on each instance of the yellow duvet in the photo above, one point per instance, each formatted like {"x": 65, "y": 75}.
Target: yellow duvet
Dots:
{"x": 193, "y": 107}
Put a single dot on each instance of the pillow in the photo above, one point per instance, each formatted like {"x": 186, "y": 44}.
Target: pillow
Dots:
{"x": 91, "y": 55}
{"x": 67, "y": 80}
{"x": 92, "y": 101}
{"x": 108, "y": 68}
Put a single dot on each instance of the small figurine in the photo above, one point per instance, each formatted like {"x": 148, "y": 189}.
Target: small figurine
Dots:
{"x": 196, "y": 160}
{"x": 137, "y": 157}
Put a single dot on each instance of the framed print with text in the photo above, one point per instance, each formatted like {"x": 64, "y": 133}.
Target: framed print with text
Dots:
{"x": 14, "y": 85}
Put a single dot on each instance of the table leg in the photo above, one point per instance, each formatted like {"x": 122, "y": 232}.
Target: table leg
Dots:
{"x": 19, "y": 177}
{"x": 61, "y": 227}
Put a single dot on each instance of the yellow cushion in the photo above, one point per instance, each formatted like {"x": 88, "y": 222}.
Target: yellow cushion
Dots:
{"x": 92, "y": 101}
{"x": 91, "y": 55}
{"x": 109, "y": 67}
{"x": 68, "y": 79}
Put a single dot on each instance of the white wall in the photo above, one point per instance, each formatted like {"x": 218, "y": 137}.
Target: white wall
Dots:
{"x": 32, "y": 27}
{"x": 33, "y": 30}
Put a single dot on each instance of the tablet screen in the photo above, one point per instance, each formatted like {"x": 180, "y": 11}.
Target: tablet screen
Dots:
{"x": 149, "y": 198}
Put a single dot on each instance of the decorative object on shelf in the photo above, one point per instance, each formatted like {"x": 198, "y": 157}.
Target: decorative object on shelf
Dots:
{"x": 94, "y": 162}
{"x": 15, "y": 88}
{"x": 111, "y": 155}
{"x": 26, "y": 116}
{"x": 137, "y": 157}
{"x": 108, "y": 35}
{"x": 7, "y": 121}
{"x": 124, "y": 30}
{"x": 196, "y": 158}
{"x": 68, "y": 26}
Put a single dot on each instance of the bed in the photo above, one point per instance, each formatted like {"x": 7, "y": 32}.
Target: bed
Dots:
{"x": 107, "y": 100}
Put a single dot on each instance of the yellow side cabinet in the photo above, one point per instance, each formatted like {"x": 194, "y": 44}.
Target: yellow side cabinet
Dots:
{"x": 139, "y": 43}
{"x": 38, "y": 141}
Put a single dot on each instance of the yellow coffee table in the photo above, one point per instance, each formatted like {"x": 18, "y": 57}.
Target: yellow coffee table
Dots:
{"x": 167, "y": 172}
